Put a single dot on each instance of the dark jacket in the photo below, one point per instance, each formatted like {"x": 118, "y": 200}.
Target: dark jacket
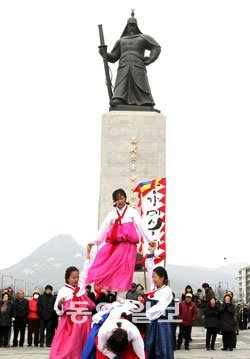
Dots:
{"x": 6, "y": 317}
{"x": 45, "y": 306}
{"x": 227, "y": 321}
{"x": 209, "y": 294}
{"x": 20, "y": 309}
{"x": 91, "y": 296}
{"x": 212, "y": 316}
{"x": 132, "y": 294}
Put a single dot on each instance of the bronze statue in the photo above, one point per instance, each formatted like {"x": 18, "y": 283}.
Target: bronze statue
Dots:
{"x": 131, "y": 90}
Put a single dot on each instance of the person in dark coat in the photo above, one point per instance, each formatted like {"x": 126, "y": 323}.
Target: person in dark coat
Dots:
{"x": 20, "y": 312}
{"x": 132, "y": 293}
{"x": 227, "y": 323}
{"x": 211, "y": 313}
{"x": 90, "y": 294}
{"x": 6, "y": 313}
{"x": 45, "y": 309}
{"x": 188, "y": 289}
{"x": 209, "y": 293}
{"x": 200, "y": 302}
{"x": 243, "y": 317}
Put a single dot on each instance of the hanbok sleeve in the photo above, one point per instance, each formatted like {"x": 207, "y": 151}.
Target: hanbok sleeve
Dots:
{"x": 138, "y": 344}
{"x": 150, "y": 265}
{"x": 102, "y": 345}
{"x": 60, "y": 295}
{"x": 83, "y": 275}
{"x": 103, "y": 229}
{"x": 159, "y": 309}
{"x": 139, "y": 224}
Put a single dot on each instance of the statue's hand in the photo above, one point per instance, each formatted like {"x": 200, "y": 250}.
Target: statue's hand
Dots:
{"x": 102, "y": 50}
{"x": 147, "y": 61}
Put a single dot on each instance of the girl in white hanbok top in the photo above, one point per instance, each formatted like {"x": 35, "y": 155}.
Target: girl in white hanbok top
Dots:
{"x": 73, "y": 306}
{"x": 158, "y": 340}
{"x": 114, "y": 264}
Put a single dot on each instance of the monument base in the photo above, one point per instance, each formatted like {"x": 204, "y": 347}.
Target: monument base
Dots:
{"x": 133, "y": 150}
{"x": 133, "y": 108}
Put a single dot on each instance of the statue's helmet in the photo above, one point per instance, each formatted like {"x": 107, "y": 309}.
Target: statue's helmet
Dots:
{"x": 131, "y": 20}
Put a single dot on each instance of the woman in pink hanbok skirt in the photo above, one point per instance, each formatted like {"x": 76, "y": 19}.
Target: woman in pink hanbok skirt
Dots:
{"x": 74, "y": 308}
{"x": 114, "y": 264}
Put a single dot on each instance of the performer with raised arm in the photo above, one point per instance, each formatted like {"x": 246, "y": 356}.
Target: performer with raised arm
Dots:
{"x": 73, "y": 306}
{"x": 158, "y": 340}
{"x": 114, "y": 264}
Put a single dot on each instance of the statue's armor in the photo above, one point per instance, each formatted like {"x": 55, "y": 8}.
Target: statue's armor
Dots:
{"x": 134, "y": 46}
{"x": 132, "y": 86}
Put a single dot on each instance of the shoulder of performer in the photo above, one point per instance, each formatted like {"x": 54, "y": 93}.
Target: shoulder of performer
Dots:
{"x": 64, "y": 291}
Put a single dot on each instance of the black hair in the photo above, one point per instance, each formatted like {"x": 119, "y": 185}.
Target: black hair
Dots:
{"x": 5, "y": 294}
{"x": 188, "y": 287}
{"x": 162, "y": 273}
{"x": 68, "y": 272}
{"x": 118, "y": 341}
{"x": 49, "y": 287}
{"x": 117, "y": 193}
{"x": 140, "y": 285}
{"x": 88, "y": 287}
{"x": 124, "y": 315}
{"x": 205, "y": 285}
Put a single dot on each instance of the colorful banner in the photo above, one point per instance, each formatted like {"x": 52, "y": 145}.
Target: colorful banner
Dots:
{"x": 152, "y": 205}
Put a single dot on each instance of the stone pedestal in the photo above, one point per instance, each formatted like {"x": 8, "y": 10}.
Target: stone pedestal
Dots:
{"x": 133, "y": 150}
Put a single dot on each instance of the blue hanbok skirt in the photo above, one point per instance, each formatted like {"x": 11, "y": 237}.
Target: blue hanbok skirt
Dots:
{"x": 159, "y": 339}
{"x": 89, "y": 350}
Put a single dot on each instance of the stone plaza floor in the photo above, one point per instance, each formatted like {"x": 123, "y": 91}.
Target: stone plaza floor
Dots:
{"x": 242, "y": 351}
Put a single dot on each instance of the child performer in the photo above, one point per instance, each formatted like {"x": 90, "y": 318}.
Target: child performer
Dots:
{"x": 73, "y": 306}
{"x": 158, "y": 340}
{"x": 114, "y": 264}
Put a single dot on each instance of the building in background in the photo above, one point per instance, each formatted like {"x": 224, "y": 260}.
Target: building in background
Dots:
{"x": 244, "y": 284}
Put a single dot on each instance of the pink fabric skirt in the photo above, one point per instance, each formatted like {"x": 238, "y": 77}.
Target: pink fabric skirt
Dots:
{"x": 70, "y": 338}
{"x": 114, "y": 264}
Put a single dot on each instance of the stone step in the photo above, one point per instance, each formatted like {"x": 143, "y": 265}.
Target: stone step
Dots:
{"x": 203, "y": 346}
{"x": 202, "y": 341}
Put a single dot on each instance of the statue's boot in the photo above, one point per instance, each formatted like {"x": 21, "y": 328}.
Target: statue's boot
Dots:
{"x": 116, "y": 101}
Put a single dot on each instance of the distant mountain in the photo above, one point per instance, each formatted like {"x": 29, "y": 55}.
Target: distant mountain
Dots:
{"x": 47, "y": 265}
{"x": 180, "y": 276}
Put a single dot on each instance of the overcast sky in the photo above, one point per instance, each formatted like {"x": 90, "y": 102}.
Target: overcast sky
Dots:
{"x": 52, "y": 97}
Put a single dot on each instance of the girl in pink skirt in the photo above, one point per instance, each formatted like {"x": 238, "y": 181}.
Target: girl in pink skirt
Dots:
{"x": 114, "y": 264}
{"x": 73, "y": 306}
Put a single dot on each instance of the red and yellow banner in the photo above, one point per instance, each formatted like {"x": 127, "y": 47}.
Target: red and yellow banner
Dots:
{"x": 152, "y": 206}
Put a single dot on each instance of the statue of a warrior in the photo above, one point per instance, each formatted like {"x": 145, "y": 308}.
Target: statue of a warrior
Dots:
{"x": 131, "y": 85}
